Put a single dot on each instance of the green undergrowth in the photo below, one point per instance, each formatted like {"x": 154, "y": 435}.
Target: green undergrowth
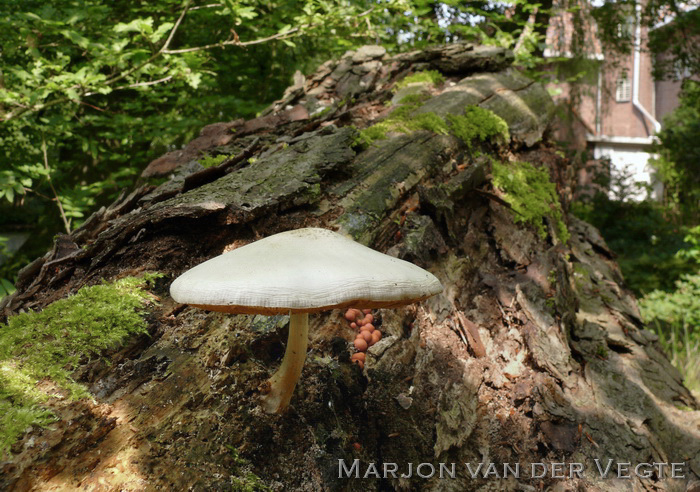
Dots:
{"x": 675, "y": 317}
{"x": 532, "y": 195}
{"x": 648, "y": 242}
{"x": 50, "y": 344}
{"x": 476, "y": 124}
{"x": 429, "y": 76}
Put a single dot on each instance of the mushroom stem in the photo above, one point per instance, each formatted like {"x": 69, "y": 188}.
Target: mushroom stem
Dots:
{"x": 282, "y": 383}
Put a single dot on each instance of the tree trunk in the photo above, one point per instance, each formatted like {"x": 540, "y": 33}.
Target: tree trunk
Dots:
{"x": 535, "y": 352}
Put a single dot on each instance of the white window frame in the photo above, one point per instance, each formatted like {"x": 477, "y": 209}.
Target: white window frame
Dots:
{"x": 623, "y": 89}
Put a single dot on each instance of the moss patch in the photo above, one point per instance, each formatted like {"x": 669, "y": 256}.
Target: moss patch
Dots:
{"x": 212, "y": 160}
{"x": 476, "y": 124}
{"x": 51, "y": 343}
{"x": 19, "y": 405}
{"x": 414, "y": 99}
{"x": 243, "y": 479}
{"x": 429, "y": 76}
{"x": 532, "y": 195}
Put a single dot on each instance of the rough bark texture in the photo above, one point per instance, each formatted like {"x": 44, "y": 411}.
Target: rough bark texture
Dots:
{"x": 534, "y": 353}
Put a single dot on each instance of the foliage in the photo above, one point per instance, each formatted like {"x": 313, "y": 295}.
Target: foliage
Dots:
{"x": 6, "y": 287}
{"x": 670, "y": 27}
{"x": 679, "y": 161}
{"x": 679, "y": 309}
{"x": 532, "y": 196}
{"x": 675, "y": 316}
{"x": 672, "y": 302}
{"x": 677, "y": 39}
{"x": 645, "y": 241}
{"x": 616, "y": 25}
{"x": 91, "y": 91}
{"x": 51, "y": 343}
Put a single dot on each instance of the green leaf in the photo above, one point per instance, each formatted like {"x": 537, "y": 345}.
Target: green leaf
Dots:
{"x": 6, "y": 287}
{"x": 76, "y": 38}
{"x": 136, "y": 25}
{"x": 193, "y": 79}
{"x": 162, "y": 30}
{"x": 246, "y": 13}
{"x": 72, "y": 94}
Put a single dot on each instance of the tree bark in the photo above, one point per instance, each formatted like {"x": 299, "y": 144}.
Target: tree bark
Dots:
{"x": 534, "y": 353}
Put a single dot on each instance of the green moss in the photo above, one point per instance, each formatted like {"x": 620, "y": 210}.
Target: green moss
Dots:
{"x": 414, "y": 99}
{"x": 430, "y": 76}
{"x": 478, "y": 123}
{"x": 51, "y": 343}
{"x": 551, "y": 304}
{"x": 244, "y": 480}
{"x": 19, "y": 405}
{"x": 532, "y": 196}
{"x": 371, "y": 134}
{"x": 213, "y": 160}
{"x": 602, "y": 351}
{"x": 400, "y": 122}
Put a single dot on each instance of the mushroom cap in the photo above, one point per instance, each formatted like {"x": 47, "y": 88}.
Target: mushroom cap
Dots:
{"x": 302, "y": 271}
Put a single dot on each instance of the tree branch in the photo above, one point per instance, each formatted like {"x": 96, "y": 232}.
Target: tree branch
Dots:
{"x": 175, "y": 27}
{"x": 527, "y": 30}
{"x": 209, "y": 6}
{"x": 133, "y": 86}
{"x": 235, "y": 42}
{"x": 48, "y": 176}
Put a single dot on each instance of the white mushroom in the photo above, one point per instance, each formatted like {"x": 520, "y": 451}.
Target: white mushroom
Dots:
{"x": 300, "y": 272}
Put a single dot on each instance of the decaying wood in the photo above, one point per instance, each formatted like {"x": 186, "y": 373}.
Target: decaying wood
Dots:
{"x": 557, "y": 364}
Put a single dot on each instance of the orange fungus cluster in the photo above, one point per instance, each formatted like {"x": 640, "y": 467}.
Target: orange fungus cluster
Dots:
{"x": 368, "y": 335}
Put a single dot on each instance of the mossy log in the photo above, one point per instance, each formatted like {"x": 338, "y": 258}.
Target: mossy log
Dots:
{"x": 534, "y": 353}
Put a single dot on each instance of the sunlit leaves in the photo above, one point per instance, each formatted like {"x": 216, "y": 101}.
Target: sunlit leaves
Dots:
{"x": 143, "y": 26}
{"x": 94, "y": 80}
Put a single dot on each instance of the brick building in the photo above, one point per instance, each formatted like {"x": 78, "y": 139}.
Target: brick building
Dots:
{"x": 617, "y": 108}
